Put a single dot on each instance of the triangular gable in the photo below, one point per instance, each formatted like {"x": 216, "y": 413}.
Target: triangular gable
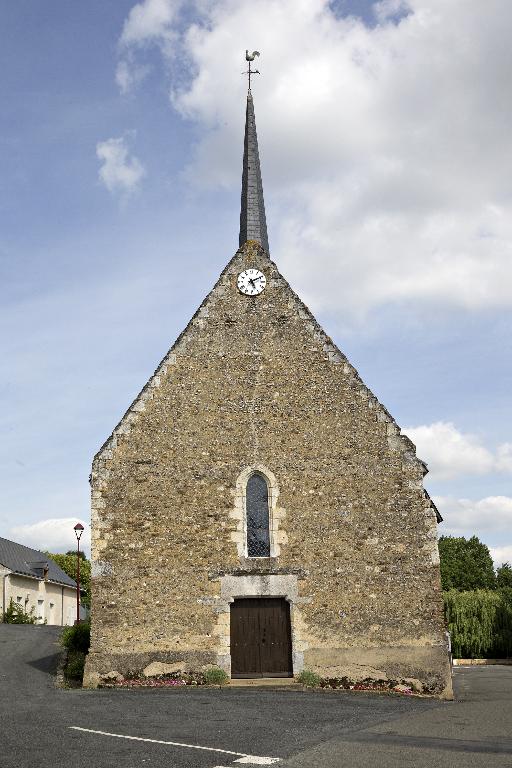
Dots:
{"x": 396, "y": 440}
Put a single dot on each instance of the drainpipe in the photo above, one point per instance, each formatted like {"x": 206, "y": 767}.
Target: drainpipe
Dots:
{"x": 62, "y": 608}
{"x": 4, "y": 595}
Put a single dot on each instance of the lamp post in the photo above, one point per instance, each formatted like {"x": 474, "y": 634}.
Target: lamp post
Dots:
{"x": 79, "y": 529}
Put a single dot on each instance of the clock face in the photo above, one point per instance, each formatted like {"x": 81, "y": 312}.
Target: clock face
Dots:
{"x": 251, "y": 282}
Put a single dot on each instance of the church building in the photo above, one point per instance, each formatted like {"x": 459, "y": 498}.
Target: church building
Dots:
{"x": 256, "y": 507}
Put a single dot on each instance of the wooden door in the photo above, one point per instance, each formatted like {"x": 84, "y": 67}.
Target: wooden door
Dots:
{"x": 261, "y": 638}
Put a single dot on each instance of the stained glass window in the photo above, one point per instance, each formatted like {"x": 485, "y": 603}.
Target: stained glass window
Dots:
{"x": 258, "y": 535}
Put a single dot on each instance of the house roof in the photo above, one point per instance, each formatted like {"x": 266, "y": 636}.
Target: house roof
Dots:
{"x": 30, "y": 562}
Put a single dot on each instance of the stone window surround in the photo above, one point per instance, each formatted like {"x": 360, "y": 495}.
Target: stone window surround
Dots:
{"x": 275, "y": 513}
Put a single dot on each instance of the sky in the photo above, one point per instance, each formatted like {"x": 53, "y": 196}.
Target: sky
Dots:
{"x": 384, "y": 132}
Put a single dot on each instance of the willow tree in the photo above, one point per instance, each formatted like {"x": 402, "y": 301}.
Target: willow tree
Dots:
{"x": 480, "y": 623}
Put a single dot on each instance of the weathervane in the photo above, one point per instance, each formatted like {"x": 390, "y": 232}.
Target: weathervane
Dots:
{"x": 250, "y": 57}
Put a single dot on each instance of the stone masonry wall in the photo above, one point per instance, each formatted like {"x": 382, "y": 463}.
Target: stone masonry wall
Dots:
{"x": 255, "y": 382}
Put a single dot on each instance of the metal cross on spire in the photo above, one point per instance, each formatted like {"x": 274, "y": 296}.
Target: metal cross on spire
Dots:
{"x": 250, "y": 57}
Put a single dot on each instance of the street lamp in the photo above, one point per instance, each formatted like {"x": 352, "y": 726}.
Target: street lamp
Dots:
{"x": 79, "y": 529}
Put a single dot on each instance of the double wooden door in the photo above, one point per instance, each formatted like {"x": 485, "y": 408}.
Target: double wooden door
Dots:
{"x": 261, "y": 643}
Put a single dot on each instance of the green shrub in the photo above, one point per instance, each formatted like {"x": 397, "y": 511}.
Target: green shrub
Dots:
{"x": 16, "y": 614}
{"x": 215, "y": 676}
{"x": 74, "y": 669}
{"x": 480, "y": 623}
{"x": 77, "y": 637}
{"x": 308, "y": 678}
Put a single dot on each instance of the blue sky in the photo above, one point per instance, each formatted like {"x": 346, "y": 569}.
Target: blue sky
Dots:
{"x": 384, "y": 136}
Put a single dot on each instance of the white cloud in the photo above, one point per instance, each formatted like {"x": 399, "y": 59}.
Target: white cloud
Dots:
{"x": 485, "y": 518}
{"x": 54, "y": 534}
{"x": 385, "y": 150}
{"x": 504, "y": 457}
{"x": 129, "y": 74}
{"x": 119, "y": 172}
{"x": 149, "y": 22}
{"x": 390, "y": 9}
{"x": 449, "y": 452}
{"x": 492, "y": 514}
{"x": 501, "y": 555}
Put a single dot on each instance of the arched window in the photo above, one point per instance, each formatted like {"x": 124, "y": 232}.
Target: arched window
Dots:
{"x": 256, "y": 499}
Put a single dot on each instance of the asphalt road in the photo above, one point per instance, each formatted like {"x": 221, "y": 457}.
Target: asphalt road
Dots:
{"x": 219, "y": 728}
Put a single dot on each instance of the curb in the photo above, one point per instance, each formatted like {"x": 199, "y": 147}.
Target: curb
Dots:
{"x": 480, "y": 662}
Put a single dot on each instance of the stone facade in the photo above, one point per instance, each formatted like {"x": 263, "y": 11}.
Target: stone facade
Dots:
{"x": 254, "y": 384}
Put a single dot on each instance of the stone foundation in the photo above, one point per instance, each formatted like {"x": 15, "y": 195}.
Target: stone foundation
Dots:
{"x": 427, "y": 668}
{"x": 100, "y": 665}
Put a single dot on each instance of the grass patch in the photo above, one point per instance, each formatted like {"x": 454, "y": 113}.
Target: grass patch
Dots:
{"x": 215, "y": 676}
{"x": 308, "y": 679}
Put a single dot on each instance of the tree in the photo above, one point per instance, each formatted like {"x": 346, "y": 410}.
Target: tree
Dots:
{"x": 466, "y": 564}
{"x": 480, "y": 622}
{"x": 73, "y": 552}
{"x": 504, "y": 576}
{"x": 68, "y": 564}
{"x": 16, "y": 614}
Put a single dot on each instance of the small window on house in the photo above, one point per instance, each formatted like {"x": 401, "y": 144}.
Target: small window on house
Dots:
{"x": 258, "y": 534}
{"x": 19, "y": 599}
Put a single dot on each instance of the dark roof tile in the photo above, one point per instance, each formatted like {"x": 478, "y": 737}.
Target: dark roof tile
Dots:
{"x": 30, "y": 562}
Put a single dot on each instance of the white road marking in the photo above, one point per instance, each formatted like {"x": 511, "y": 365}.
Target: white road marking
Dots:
{"x": 244, "y": 758}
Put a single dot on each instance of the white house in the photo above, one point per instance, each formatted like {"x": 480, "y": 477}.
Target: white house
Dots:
{"x": 34, "y": 580}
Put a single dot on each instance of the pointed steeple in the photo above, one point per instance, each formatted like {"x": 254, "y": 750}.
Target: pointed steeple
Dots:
{"x": 253, "y": 224}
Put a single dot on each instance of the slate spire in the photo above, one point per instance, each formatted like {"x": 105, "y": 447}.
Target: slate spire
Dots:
{"x": 253, "y": 224}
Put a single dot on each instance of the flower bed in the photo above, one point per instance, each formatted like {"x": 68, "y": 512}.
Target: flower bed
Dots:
{"x": 366, "y": 685}
{"x": 213, "y": 676}
{"x": 310, "y": 679}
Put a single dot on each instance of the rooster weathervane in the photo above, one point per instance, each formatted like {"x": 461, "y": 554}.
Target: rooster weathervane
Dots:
{"x": 250, "y": 57}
